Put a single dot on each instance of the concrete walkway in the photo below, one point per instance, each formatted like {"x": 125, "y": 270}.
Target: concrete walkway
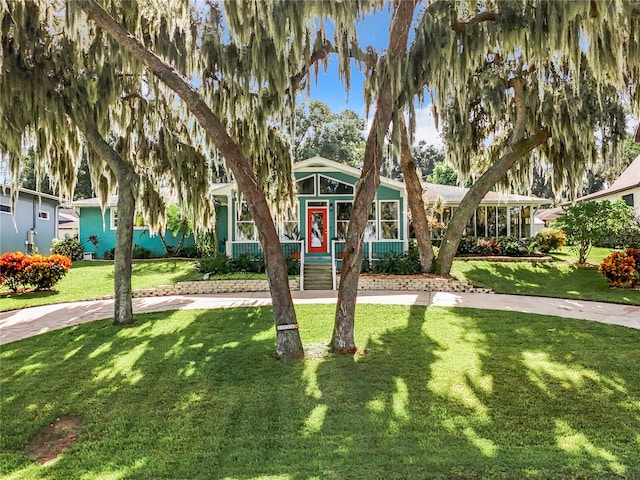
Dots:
{"x": 19, "y": 324}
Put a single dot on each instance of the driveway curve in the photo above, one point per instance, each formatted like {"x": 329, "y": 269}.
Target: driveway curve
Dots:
{"x": 19, "y": 324}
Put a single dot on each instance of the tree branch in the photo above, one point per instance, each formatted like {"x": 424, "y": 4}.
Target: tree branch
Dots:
{"x": 520, "y": 123}
{"x": 460, "y": 27}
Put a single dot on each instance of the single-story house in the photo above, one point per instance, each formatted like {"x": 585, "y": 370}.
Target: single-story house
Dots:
{"x": 316, "y": 228}
{"x": 35, "y": 217}
{"x": 325, "y": 191}
{"x": 626, "y": 187}
{"x": 497, "y": 215}
{"x": 92, "y": 222}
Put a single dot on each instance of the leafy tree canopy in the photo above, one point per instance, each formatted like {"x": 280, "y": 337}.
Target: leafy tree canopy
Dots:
{"x": 336, "y": 136}
{"x": 587, "y": 222}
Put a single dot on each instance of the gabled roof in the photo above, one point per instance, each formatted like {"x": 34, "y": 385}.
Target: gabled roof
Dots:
{"x": 216, "y": 189}
{"x": 321, "y": 164}
{"x": 549, "y": 214}
{"x": 6, "y": 189}
{"x": 627, "y": 180}
{"x": 452, "y": 195}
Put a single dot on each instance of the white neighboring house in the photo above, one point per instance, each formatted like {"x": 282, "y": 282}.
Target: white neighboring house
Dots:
{"x": 626, "y": 188}
{"x": 36, "y": 221}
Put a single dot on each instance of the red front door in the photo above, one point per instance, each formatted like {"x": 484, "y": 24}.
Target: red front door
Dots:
{"x": 317, "y": 230}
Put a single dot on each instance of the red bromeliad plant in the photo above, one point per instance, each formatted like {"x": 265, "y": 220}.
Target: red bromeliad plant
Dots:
{"x": 622, "y": 269}
{"x": 18, "y": 269}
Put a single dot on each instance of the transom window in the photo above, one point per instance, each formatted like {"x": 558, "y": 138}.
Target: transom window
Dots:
{"x": 331, "y": 186}
{"x": 306, "y": 186}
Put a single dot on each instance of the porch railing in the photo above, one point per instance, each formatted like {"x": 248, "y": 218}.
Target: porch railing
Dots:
{"x": 373, "y": 252}
{"x": 293, "y": 249}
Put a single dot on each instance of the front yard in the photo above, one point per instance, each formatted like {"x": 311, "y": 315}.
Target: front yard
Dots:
{"x": 433, "y": 393}
{"x": 560, "y": 278}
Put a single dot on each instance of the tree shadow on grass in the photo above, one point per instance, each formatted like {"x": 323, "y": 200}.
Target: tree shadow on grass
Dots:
{"x": 546, "y": 280}
{"x": 438, "y": 393}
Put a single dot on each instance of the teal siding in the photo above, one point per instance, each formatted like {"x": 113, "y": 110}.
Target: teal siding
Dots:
{"x": 91, "y": 223}
{"x": 222, "y": 225}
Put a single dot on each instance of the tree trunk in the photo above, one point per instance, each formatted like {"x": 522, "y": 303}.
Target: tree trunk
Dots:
{"x": 127, "y": 186}
{"x": 123, "y": 258}
{"x": 476, "y": 193}
{"x": 416, "y": 203}
{"x": 343, "y": 340}
{"x": 289, "y": 345}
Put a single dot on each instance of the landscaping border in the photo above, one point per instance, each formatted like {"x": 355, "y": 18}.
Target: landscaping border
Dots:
{"x": 367, "y": 282}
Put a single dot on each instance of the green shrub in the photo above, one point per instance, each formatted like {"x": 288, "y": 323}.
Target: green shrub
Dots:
{"x": 247, "y": 263}
{"x": 109, "y": 254}
{"x": 467, "y": 245}
{"x": 141, "y": 252}
{"x": 624, "y": 238}
{"x": 548, "y": 240}
{"x": 69, "y": 247}
{"x": 216, "y": 264}
{"x": 190, "y": 251}
{"x": 293, "y": 265}
{"x": 516, "y": 248}
{"x": 398, "y": 264}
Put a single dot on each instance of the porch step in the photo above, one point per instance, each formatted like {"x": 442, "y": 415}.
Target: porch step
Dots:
{"x": 317, "y": 276}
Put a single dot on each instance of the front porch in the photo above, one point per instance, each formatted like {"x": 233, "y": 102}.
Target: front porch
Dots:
{"x": 296, "y": 251}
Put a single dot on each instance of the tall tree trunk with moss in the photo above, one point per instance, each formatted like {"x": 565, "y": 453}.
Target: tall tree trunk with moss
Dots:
{"x": 289, "y": 345}
{"x": 128, "y": 181}
{"x": 343, "y": 340}
{"x": 416, "y": 203}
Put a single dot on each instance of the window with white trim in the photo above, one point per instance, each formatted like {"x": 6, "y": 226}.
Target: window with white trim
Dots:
{"x": 389, "y": 220}
{"x": 245, "y": 226}
{"x": 5, "y": 208}
{"x": 371, "y": 230}
{"x": 138, "y": 221}
{"x": 290, "y": 231}
{"x": 343, "y": 215}
{"x": 42, "y": 215}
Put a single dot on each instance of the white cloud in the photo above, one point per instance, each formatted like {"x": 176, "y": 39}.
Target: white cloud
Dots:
{"x": 425, "y": 128}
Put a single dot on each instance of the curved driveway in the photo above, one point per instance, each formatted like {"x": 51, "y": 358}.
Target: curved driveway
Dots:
{"x": 19, "y": 324}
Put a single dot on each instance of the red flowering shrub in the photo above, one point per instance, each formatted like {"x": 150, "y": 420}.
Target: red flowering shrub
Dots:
{"x": 41, "y": 272}
{"x": 12, "y": 266}
{"x": 622, "y": 269}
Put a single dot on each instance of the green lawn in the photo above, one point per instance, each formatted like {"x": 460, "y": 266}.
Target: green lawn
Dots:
{"x": 438, "y": 394}
{"x": 560, "y": 278}
{"x": 93, "y": 279}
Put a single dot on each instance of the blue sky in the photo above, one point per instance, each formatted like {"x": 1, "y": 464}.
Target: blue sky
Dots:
{"x": 373, "y": 31}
